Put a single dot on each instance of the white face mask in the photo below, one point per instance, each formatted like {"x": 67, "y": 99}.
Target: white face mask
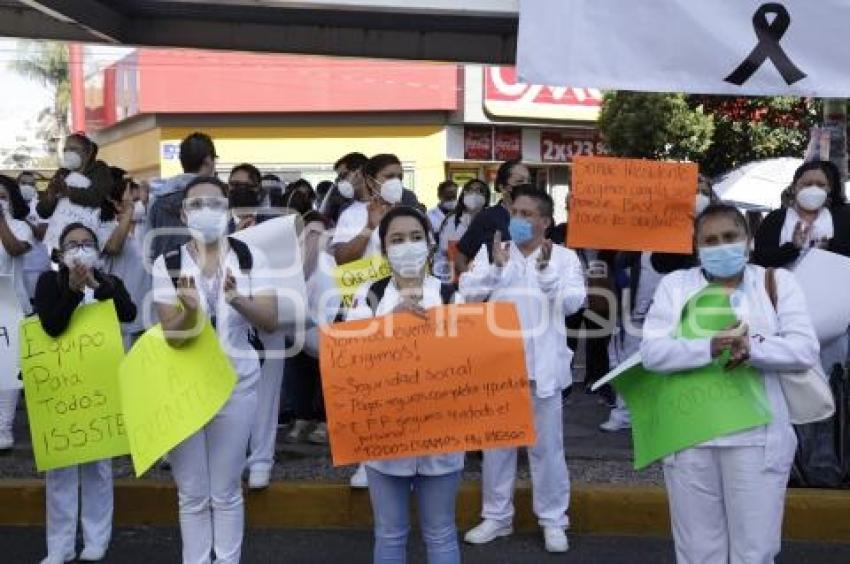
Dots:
{"x": 408, "y": 259}
{"x": 449, "y": 206}
{"x": 345, "y": 189}
{"x": 207, "y": 225}
{"x": 29, "y": 192}
{"x": 473, "y": 201}
{"x": 139, "y": 211}
{"x": 72, "y": 160}
{"x": 391, "y": 191}
{"x": 702, "y": 202}
{"x": 811, "y": 198}
{"x": 80, "y": 256}
{"x": 5, "y": 208}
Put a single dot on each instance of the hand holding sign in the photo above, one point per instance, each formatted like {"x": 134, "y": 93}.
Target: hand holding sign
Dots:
{"x": 501, "y": 252}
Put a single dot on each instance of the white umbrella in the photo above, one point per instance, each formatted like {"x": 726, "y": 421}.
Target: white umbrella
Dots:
{"x": 758, "y": 184}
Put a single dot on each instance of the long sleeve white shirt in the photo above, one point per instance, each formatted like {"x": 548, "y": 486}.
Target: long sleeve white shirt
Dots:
{"x": 543, "y": 298}
{"x": 781, "y": 340}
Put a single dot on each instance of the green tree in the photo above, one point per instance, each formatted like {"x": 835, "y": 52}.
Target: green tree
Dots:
{"x": 753, "y": 128}
{"x": 47, "y": 64}
{"x": 654, "y": 126}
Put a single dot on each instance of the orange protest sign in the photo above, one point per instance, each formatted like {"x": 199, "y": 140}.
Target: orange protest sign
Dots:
{"x": 632, "y": 205}
{"x": 399, "y": 385}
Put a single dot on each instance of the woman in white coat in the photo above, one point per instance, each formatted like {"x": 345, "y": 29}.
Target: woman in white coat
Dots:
{"x": 210, "y": 284}
{"x": 434, "y": 480}
{"x": 727, "y": 495}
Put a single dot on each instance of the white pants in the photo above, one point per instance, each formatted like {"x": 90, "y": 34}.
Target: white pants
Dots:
{"x": 726, "y": 507}
{"x": 94, "y": 507}
{"x": 207, "y": 468}
{"x": 264, "y": 427}
{"x": 620, "y": 413}
{"x": 550, "y": 479}
{"x": 8, "y": 405}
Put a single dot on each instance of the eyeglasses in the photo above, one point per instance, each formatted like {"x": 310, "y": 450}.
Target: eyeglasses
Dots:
{"x": 210, "y": 202}
{"x": 74, "y": 245}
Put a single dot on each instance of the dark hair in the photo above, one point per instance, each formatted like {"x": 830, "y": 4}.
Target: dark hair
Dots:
{"x": 27, "y": 173}
{"x": 225, "y": 189}
{"x": 253, "y": 172}
{"x": 379, "y": 162}
{"x": 194, "y": 150}
{"x": 77, "y": 225}
{"x": 273, "y": 177}
{"x": 300, "y": 183}
{"x": 352, "y": 161}
{"x": 19, "y": 207}
{"x": 396, "y": 212}
{"x": 833, "y": 178}
{"x": 504, "y": 172}
{"x": 444, "y": 186}
{"x": 724, "y": 210}
{"x": 461, "y": 206}
{"x": 323, "y": 187}
{"x": 544, "y": 201}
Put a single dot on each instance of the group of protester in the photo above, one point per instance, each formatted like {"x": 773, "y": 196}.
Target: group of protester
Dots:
{"x": 95, "y": 225}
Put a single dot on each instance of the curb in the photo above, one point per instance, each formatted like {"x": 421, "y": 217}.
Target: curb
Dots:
{"x": 811, "y": 515}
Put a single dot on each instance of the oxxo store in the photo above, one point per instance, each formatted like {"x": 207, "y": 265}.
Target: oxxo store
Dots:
{"x": 502, "y": 119}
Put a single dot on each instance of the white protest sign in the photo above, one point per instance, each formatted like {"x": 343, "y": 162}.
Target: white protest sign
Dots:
{"x": 10, "y": 319}
{"x": 627, "y": 364}
{"x": 67, "y": 213}
{"x": 793, "y": 47}
{"x": 278, "y": 240}
{"x": 825, "y": 280}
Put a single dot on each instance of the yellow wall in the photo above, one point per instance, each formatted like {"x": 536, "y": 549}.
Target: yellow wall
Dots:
{"x": 138, "y": 154}
{"x": 424, "y": 146}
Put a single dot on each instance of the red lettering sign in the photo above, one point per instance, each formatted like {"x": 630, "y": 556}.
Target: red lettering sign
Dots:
{"x": 505, "y": 96}
{"x": 478, "y": 144}
{"x": 507, "y": 144}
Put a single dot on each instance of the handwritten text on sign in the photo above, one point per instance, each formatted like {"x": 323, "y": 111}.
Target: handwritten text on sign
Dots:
{"x": 401, "y": 386}
{"x": 632, "y": 205}
{"x": 351, "y": 276}
{"x": 10, "y": 319}
{"x": 71, "y": 388}
{"x": 169, "y": 393}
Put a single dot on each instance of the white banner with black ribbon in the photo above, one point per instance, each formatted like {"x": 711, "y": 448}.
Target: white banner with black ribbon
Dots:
{"x": 789, "y": 47}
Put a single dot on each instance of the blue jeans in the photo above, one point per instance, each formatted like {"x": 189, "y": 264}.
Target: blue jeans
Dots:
{"x": 435, "y": 498}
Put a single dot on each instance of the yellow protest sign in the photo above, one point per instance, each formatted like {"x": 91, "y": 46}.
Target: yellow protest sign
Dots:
{"x": 398, "y": 385}
{"x": 71, "y": 388}
{"x": 169, "y": 393}
{"x": 350, "y": 276}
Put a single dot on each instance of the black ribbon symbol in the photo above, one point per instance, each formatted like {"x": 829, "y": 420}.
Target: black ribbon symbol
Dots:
{"x": 768, "y": 47}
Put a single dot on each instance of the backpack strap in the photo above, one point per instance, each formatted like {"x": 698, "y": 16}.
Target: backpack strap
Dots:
{"x": 243, "y": 254}
{"x": 376, "y": 292}
{"x": 770, "y": 286}
{"x": 173, "y": 264}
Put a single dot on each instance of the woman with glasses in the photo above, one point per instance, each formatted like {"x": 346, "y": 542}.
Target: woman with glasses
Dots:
{"x": 474, "y": 197}
{"x": 209, "y": 284}
{"x": 78, "y": 281}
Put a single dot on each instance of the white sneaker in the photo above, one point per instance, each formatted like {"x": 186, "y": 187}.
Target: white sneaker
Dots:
{"x": 294, "y": 434}
{"x": 614, "y": 424}
{"x": 360, "y": 479}
{"x": 319, "y": 436}
{"x": 91, "y": 554}
{"x": 488, "y": 530}
{"x": 556, "y": 539}
{"x": 54, "y": 559}
{"x": 259, "y": 479}
{"x": 7, "y": 441}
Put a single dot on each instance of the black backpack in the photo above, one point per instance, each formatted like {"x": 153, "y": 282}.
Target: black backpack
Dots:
{"x": 173, "y": 264}
{"x": 378, "y": 288}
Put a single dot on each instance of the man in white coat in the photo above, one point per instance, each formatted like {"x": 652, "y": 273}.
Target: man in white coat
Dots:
{"x": 546, "y": 283}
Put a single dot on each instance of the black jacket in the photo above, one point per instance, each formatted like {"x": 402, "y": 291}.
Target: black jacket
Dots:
{"x": 769, "y": 253}
{"x": 55, "y": 301}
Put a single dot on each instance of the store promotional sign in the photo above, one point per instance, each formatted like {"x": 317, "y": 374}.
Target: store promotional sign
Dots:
{"x": 506, "y": 97}
{"x": 791, "y": 47}
{"x": 561, "y": 146}
{"x": 492, "y": 144}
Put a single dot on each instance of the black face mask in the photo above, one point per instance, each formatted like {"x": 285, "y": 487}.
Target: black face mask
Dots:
{"x": 300, "y": 202}
{"x": 244, "y": 199}
{"x": 276, "y": 198}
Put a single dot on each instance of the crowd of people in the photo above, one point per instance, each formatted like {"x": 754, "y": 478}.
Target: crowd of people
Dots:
{"x": 162, "y": 250}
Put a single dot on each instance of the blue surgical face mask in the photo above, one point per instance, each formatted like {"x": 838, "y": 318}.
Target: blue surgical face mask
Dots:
{"x": 724, "y": 261}
{"x": 521, "y": 230}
